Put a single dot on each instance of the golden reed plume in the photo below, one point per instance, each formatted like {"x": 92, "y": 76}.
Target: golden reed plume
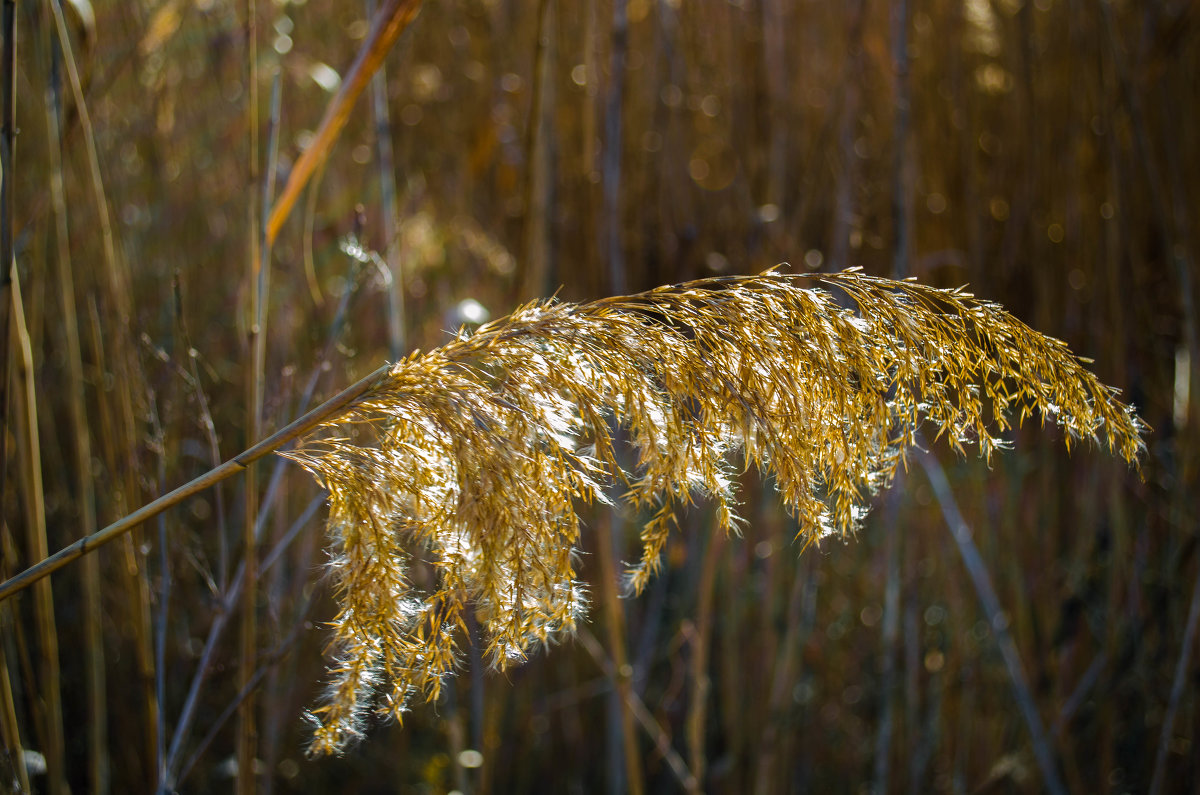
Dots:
{"x": 476, "y": 454}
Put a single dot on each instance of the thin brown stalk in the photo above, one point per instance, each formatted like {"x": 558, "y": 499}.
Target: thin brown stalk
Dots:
{"x": 701, "y": 682}
{"x": 533, "y": 265}
{"x": 894, "y": 542}
{"x": 118, "y": 529}
{"x": 50, "y": 694}
{"x": 98, "y": 752}
{"x": 387, "y": 205}
{"x": 136, "y": 596}
{"x": 8, "y": 714}
{"x": 393, "y": 18}
{"x": 783, "y": 675}
{"x": 125, "y": 370}
{"x": 845, "y": 220}
{"x": 1178, "y": 685}
{"x": 654, "y": 730}
{"x": 613, "y": 243}
{"x": 1042, "y": 750}
{"x": 191, "y": 374}
{"x": 622, "y": 671}
{"x": 8, "y": 94}
{"x": 8, "y": 112}
{"x": 118, "y": 279}
{"x": 257, "y": 269}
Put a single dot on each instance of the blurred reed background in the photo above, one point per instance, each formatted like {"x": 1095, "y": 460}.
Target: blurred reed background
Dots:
{"x": 1042, "y": 152}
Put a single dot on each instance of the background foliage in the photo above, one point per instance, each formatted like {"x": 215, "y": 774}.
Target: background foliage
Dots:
{"x": 1039, "y": 151}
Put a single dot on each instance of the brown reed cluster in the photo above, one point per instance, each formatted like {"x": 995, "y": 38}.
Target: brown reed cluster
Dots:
{"x": 474, "y": 456}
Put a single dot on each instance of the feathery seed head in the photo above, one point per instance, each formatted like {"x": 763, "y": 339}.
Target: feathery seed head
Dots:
{"x": 477, "y": 453}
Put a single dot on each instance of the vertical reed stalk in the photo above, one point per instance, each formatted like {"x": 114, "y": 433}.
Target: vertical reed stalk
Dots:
{"x": 534, "y": 263}
{"x": 259, "y": 265}
{"x": 845, "y": 220}
{"x": 125, "y": 370}
{"x": 701, "y": 682}
{"x": 894, "y": 544}
{"x": 611, "y": 213}
{"x": 614, "y": 613}
{"x": 610, "y": 230}
{"x": 387, "y": 200}
{"x": 136, "y": 596}
{"x": 98, "y": 752}
{"x": 8, "y": 112}
{"x": 8, "y": 708}
{"x": 50, "y": 697}
{"x": 8, "y": 94}
{"x": 891, "y": 633}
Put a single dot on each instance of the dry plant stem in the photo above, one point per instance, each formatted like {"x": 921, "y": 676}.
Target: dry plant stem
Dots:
{"x": 273, "y": 657}
{"x": 1177, "y": 687}
{"x": 98, "y": 754}
{"x": 701, "y": 682}
{"x": 124, "y": 367}
{"x": 611, "y": 228}
{"x": 163, "y": 605}
{"x": 210, "y": 432}
{"x": 257, "y": 268}
{"x": 784, "y": 675}
{"x": 310, "y": 421}
{"x": 8, "y": 713}
{"x": 118, "y": 279}
{"x": 890, "y": 638}
{"x": 387, "y": 201}
{"x": 622, "y": 672}
{"x": 894, "y": 543}
{"x": 1042, "y": 750}
{"x": 662, "y": 742}
{"x": 8, "y": 709}
{"x": 231, "y": 591}
{"x": 136, "y": 598}
{"x": 531, "y": 274}
{"x": 310, "y": 217}
{"x": 1170, "y": 225}
{"x": 50, "y": 699}
{"x": 392, "y": 19}
{"x": 8, "y": 111}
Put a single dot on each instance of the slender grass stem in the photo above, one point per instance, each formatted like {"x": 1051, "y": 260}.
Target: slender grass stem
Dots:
{"x": 35, "y": 517}
{"x": 1178, "y": 685}
{"x": 393, "y": 18}
{"x": 258, "y": 267}
{"x": 622, "y": 672}
{"x": 98, "y": 751}
{"x": 233, "y": 466}
{"x": 996, "y": 619}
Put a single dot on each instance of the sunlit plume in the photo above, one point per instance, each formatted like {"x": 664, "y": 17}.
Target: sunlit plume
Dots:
{"x": 477, "y": 456}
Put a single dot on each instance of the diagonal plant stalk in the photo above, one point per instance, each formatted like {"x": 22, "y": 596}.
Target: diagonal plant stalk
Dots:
{"x": 997, "y": 620}
{"x": 233, "y": 466}
{"x": 477, "y": 453}
{"x": 392, "y": 19}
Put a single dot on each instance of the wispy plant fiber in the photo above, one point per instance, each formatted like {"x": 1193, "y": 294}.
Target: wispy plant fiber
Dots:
{"x": 475, "y": 455}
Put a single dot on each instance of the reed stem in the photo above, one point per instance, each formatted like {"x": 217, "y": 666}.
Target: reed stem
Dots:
{"x": 226, "y": 470}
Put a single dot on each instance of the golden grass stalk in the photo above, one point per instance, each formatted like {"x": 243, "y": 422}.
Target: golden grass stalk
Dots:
{"x": 30, "y": 472}
{"x": 475, "y": 455}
